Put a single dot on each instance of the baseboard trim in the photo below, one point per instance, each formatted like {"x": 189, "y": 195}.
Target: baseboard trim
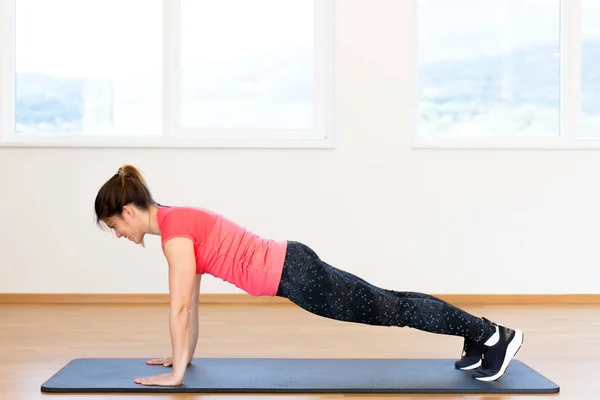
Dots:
{"x": 229, "y": 298}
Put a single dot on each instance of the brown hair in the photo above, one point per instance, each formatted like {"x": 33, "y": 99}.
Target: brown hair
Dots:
{"x": 127, "y": 186}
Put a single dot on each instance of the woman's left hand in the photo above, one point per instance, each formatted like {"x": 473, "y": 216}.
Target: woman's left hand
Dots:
{"x": 167, "y": 379}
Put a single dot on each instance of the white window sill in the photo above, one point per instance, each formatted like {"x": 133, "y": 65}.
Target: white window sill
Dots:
{"x": 559, "y": 143}
{"x": 163, "y": 142}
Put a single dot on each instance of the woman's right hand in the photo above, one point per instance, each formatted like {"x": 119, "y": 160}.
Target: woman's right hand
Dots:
{"x": 165, "y": 362}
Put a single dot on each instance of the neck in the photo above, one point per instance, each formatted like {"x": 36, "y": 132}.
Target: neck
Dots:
{"x": 152, "y": 221}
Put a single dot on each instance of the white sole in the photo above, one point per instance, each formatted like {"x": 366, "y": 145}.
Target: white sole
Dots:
{"x": 511, "y": 350}
{"x": 470, "y": 367}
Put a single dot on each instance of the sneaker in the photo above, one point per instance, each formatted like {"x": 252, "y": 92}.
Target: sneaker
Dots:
{"x": 496, "y": 357}
{"x": 471, "y": 355}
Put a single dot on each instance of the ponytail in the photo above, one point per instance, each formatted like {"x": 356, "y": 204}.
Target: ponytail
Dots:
{"x": 127, "y": 186}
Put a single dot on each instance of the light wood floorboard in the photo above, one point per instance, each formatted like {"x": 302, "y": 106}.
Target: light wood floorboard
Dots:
{"x": 561, "y": 342}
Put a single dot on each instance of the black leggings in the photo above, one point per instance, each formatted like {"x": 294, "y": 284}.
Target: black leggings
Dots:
{"x": 329, "y": 292}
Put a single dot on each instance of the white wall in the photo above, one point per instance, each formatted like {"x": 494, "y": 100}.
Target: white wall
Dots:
{"x": 439, "y": 221}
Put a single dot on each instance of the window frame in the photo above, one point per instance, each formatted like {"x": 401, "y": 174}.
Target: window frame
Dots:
{"x": 569, "y": 134}
{"x": 173, "y": 134}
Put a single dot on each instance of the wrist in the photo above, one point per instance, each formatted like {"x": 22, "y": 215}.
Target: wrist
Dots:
{"x": 178, "y": 374}
{"x": 180, "y": 368}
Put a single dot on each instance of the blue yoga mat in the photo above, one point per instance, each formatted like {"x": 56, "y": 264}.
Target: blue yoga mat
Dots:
{"x": 292, "y": 375}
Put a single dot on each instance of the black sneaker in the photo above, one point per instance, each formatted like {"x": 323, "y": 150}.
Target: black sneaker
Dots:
{"x": 471, "y": 355}
{"x": 496, "y": 357}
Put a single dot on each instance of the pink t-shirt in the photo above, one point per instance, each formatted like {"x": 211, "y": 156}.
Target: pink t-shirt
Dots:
{"x": 225, "y": 249}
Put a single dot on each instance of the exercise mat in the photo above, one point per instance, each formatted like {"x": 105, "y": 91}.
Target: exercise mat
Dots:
{"x": 295, "y": 375}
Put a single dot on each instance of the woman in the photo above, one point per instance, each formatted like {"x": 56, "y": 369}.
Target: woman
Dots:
{"x": 197, "y": 241}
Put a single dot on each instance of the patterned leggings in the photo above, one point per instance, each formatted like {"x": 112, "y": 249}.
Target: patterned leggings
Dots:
{"x": 329, "y": 292}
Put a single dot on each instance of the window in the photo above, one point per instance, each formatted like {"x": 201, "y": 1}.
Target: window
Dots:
{"x": 86, "y": 71}
{"x": 161, "y": 72}
{"x": 509, "y": 73}
{"x": 590, "y": 68}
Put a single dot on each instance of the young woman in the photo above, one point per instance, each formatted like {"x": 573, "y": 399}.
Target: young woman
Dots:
{"x": 197, "y": 241}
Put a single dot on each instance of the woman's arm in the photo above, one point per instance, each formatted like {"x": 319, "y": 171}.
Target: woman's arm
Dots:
{"x": 194, "y": 323}
{"x": 182, "y": 273}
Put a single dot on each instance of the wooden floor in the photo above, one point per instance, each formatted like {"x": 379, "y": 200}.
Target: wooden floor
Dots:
{"x": 561, "y": 342}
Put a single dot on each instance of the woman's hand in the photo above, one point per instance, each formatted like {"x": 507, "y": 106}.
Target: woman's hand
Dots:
{"x": 165, "y": 362}
{"x": 167, "y": 379}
